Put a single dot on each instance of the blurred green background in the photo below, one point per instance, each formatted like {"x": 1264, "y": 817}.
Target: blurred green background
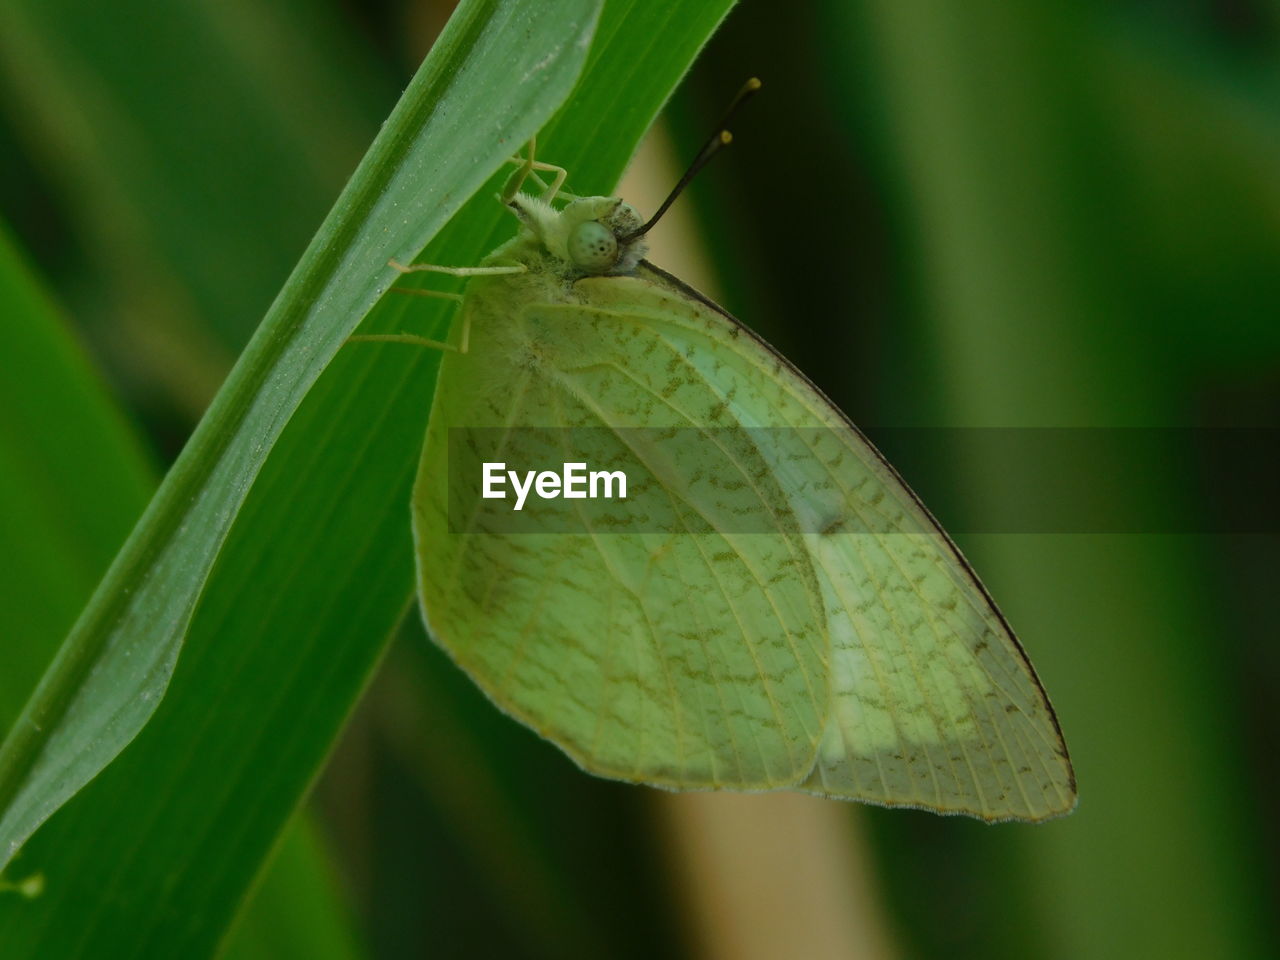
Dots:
{"x": 981, "y": 214}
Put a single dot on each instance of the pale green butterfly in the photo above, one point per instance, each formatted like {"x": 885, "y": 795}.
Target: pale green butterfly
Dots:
{"x": 857, "y": 658}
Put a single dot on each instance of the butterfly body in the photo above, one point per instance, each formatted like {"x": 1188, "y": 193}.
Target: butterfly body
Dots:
{"x": 839, "y": 645}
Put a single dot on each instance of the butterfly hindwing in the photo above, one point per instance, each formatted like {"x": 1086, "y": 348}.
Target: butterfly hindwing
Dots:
{"x": 686, "y": 660}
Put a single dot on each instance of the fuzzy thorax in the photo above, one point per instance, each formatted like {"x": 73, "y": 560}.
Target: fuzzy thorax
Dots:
{"x": 587, "y": 236}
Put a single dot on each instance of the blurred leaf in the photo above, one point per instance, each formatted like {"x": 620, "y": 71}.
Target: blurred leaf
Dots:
{"x": 1196, "y": 143}
{"x": 425, "y": 728}
{"x": 496, "y": 60}
{"x": 318, "y": 566}
{"x": 294, "y": 913}
{"x": 999, "y": 148}
{"x": 73, "y": 479}
{"x": 172, "y": 137}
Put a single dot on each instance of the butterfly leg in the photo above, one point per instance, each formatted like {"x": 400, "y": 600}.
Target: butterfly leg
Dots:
{"x": 526, "y": 167}
{"x": 517, "y": 179}
{"x": 439, "y": 295}
{"x": 550, "y": 191}
{"x": 496, "y": 271}
{"x": 553, "y": 191}
{"x": 413, "y": 338}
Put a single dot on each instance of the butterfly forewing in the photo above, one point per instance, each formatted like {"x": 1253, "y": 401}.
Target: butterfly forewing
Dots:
{"x": 934, "y": 703}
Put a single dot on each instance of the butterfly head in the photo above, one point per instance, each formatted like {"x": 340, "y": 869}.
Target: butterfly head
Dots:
{"x": 592, "y": 236}
{"x": 600, "y": 236}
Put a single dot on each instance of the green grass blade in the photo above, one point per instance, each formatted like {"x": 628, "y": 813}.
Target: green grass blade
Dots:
{"x": 499, "y": 61}
{"x": 186, "y": 174}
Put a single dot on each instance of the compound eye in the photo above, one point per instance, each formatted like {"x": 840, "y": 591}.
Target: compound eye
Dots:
{"x": 592, "y": 246}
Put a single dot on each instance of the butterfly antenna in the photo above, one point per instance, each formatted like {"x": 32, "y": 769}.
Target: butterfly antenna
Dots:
{"x": 721, "y": 138}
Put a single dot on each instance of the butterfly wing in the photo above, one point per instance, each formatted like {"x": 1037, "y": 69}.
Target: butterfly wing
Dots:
{"x": 934, "y": 704}
{"x": 863, "y": 660}
{"x": 686, "y": 660}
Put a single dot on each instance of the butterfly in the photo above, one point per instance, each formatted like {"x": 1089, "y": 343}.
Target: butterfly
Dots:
{"x": 837, "y": 643}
